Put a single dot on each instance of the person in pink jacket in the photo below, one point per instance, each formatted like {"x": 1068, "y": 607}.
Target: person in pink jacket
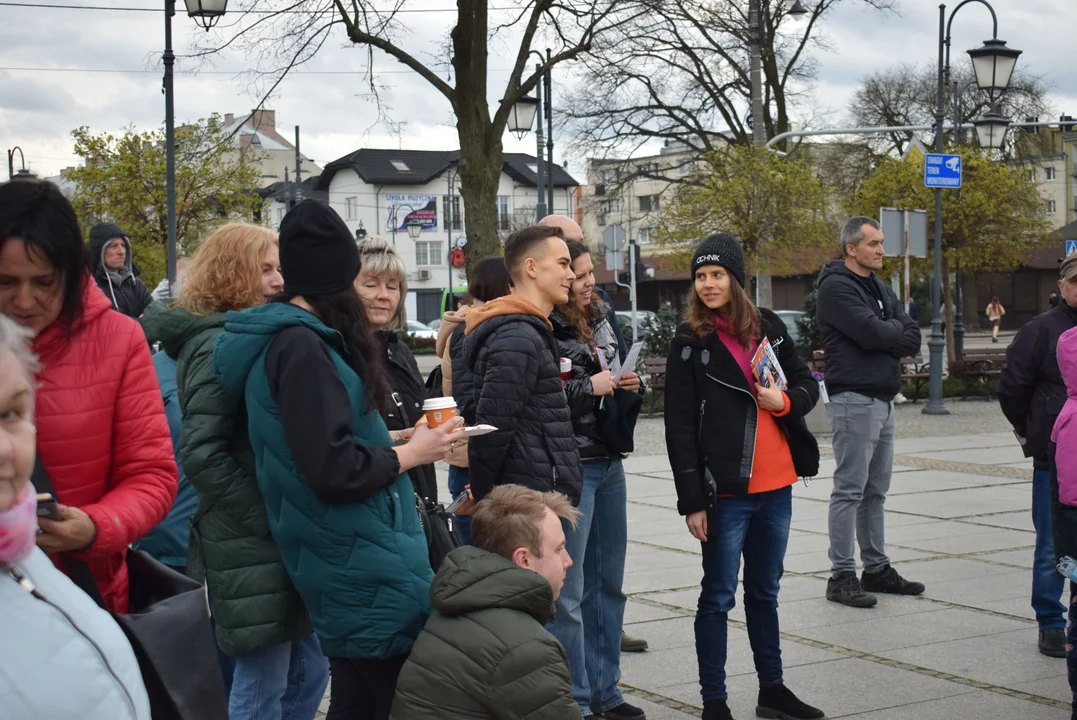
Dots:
{"x": 1064, "y": 489}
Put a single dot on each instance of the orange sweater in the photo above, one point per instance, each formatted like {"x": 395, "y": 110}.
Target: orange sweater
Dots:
{"x": 773, "y": 464}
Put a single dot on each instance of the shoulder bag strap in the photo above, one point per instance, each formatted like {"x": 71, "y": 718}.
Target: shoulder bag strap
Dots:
{"x": 77, "y": 570}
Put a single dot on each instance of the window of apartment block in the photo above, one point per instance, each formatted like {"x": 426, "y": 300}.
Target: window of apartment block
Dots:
{"x": 457, "y": 217}
{"x": 1032, "y": 175}
{"x": 1050, "y": 173}
{"x": 428, "y": 253}
{"x": 644, "y": 236}
{"x": 648, "y": 203}
{"x": 280, "y": 215}
{"x": 613, "y": 205}
{"x": 1051, "y": 207}
{"x": 351, "y": 208}
{"x": 503, "y": 213}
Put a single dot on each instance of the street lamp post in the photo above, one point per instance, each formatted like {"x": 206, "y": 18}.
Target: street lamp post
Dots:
{"x": 23, "y": 173}
{"x": 519, "y": 123}
{"x": 993, "y": 64}
{"x": 207, "y": 13}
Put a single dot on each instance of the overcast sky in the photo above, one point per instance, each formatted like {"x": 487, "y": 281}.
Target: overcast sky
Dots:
{"x": 39, "y": 108}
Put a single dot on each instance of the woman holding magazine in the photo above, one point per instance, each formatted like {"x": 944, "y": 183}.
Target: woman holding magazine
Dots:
{"x": 736, "y": 449}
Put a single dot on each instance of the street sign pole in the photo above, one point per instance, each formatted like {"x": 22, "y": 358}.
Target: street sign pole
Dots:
{"x": 908, "y": 287}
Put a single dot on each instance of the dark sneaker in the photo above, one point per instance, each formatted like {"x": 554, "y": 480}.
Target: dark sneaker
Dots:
{"x": 845, "y": 589}
{"x": 631, "y": 644}
{"x": 780, "y": 703}
{"x": 1053, "y": 642}
{"x": 888, "y": 581}
{"x": 624, "y": 711}
{"x": 716, "y": 710}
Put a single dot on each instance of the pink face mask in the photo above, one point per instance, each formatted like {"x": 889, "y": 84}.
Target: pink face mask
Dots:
{"x": 18, "y": 527}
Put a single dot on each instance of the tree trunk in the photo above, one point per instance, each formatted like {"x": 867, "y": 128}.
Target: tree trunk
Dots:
{"x": 948, "y": 309}
{"x": 480, "y": 151}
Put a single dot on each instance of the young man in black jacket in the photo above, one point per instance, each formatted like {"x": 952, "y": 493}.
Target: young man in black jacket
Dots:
{"x": 514, "y": 360}
{"x": 1031, "y": 393}
{"x": 865, "y": 333}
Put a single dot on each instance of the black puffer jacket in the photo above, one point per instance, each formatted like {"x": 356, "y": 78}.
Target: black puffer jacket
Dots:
{"x": 711, "y": 415}
{"x": 127, "y": 293}
{"x": 865, "y": 333}
{"x": 1031, "y": 391}
{"x": 517, "y": 388}
{"x": 578, "y": 390}
{"x": 463, "y": 381}
{"x": 405, "y": 405}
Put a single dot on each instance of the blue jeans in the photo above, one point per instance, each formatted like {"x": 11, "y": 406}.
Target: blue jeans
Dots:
{"x": 1071, "y": 646}
{"x": 284, "y": 682}
{"x": 757, "y": 527}
{"x": 1047, "y": 582}
{"x": 591, "y": 608}
{"x": 458, "y": 478}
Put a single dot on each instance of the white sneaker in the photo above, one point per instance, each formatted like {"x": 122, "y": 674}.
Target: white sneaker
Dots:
{"x": 899, "y": 399}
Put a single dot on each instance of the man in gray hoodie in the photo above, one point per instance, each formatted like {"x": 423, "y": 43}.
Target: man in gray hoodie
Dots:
{"x": 111, "y": 264}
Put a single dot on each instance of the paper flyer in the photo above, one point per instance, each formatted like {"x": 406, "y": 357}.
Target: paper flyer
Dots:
{"x": 630, "y": 361}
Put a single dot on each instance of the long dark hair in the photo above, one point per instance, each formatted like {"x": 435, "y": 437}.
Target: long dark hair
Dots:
{"x": 343, "y": 311}
{"x": 583, "y": 319}
{"x": 38, "y": 213}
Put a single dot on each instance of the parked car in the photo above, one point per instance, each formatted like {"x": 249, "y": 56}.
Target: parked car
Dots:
{"x": 434, "y": 324}
{"x": 790, "y": 317}
{"x": 644, "y": 318}
{"x": 420, "y": 330}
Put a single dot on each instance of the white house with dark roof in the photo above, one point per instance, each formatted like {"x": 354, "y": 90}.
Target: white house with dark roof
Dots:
{"x": 382, "y": 191}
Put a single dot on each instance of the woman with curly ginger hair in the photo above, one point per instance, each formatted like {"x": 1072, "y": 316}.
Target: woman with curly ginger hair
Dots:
{"x": 260, "y": 620}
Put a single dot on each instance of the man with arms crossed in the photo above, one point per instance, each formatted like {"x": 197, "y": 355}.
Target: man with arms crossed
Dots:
{"x": 865, "y": 333}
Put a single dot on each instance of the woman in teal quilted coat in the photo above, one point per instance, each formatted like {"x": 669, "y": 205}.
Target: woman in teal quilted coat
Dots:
{"x": 340, "y": 505}
{"x": 260, "y": 619}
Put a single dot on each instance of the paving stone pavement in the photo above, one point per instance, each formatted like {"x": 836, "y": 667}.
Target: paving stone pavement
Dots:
{"x": 958, "y": 519}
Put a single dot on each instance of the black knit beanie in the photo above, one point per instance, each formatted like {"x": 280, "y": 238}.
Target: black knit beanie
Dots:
{"x": 318, "y": 254}
{"x": 722, "y": 250}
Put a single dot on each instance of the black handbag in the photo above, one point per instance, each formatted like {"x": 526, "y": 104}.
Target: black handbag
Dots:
{"x": 442, "y": 536}
{"x": 167, "y": 624}
{"x": 616, "y": 416}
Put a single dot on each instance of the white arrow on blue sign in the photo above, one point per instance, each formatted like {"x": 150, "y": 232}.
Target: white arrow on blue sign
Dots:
{"x": 1071, "y": 247}
{"x": 942, "y": 171}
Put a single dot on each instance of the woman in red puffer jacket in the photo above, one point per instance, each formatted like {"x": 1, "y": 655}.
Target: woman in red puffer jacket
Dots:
{"x": 102, "y": 434}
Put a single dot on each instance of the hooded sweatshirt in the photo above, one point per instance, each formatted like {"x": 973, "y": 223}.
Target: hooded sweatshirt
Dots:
{"x": 125, "y": 291}
{"x": 513, "y": 358}
{"x": 484, "y": 652}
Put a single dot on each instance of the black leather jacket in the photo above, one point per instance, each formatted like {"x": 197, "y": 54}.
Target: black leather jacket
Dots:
{"x": 581, "y": 400}
{"x": 405, "y": 406}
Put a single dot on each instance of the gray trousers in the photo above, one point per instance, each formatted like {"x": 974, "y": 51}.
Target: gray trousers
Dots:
{"x": 864, "y": 451}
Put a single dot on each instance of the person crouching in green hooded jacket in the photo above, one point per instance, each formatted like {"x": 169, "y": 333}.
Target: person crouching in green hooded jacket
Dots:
{"x": 485, "y": 653}
{"x": 341, "y": 507}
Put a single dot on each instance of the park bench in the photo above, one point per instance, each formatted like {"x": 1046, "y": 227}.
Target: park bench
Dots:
{"x": 979, "y": 370}
{"x": 913, "y": 371}
{"x": 655, "y": 369}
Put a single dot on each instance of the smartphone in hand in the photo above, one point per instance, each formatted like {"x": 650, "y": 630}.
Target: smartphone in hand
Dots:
{"x": 47, "y": 507}
{"x": 462, "y": 504}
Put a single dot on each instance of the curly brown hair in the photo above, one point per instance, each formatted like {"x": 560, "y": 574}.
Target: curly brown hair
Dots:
{"x": 740, "y": 313}
{"x": 226, "y": 273}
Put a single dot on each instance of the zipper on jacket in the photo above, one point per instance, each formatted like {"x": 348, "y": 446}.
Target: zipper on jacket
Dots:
{"x": 751, "y": 468}
{"x": 18, "y": 576}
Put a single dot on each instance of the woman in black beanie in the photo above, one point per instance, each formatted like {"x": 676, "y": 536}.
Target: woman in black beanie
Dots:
{"x": 339, "y": 502}
{"x": 736, "y": 448}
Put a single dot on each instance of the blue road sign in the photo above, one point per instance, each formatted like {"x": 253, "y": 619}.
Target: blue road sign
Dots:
{"x": 942, "y": 171}
{"x": 1071, "y": 247}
